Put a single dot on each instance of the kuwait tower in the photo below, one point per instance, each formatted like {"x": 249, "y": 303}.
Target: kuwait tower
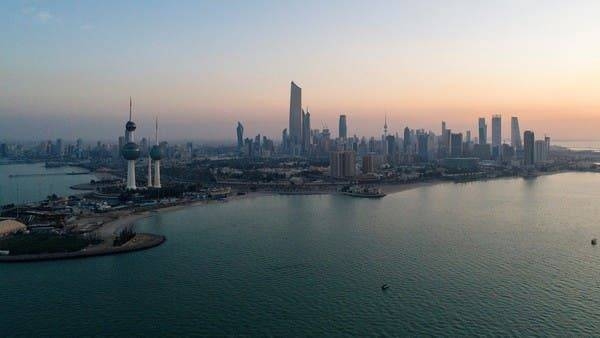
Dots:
{"x": 130, "y": 151}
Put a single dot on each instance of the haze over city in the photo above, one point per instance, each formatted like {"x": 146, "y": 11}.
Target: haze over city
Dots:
{"x": 68, "y": 70}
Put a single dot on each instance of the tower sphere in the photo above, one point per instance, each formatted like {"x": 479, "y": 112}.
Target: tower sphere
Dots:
{"x": 130, "y": 126}
{"x": 156, "y": 153}
{"x": 130, "y": 151}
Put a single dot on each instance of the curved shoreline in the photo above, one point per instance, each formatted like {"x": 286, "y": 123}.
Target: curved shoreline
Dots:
{"x": 141, "y": 241}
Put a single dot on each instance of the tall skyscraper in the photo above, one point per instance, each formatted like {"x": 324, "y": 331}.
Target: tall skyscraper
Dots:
{"x": 295, "y": 127}
{"x": 496, "y": 135}
{"x": 406, "y": 141}
{"x": 130, "y": 151}
{"x": 391, "y": 148}
{"x": 306, "y": 137}
{"x": 343, "y": 128}
{"x": 528, "y": 149}
{"x": 482, "y": 131}
{"x": 423, "y": 145}
{"x": 515, "y": 134}
{"x": 456, "y": 145}
{"x": 240, "y": 136}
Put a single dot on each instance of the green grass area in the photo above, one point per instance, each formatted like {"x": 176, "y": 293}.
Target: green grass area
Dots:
{"x": 24, "y": 244}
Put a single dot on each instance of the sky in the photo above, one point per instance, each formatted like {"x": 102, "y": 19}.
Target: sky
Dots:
{"x": 67, "y": 68}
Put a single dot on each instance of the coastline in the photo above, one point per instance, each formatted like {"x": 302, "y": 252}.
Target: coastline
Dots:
{"x": 141, "y": 241}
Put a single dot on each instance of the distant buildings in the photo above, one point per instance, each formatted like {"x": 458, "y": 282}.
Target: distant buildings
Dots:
{"x": 456, "y": 145}
{"x": 482, "y": 131}
{"x": 342, "y": 164}
{"x": 515, "y": 134}
{"x": 240, "y": 136}
{"x": 496, "y": 135}
{"x": 542, "y": 150}
{"x": 343, "y": 128}
{"x": 306, "y": 133}
{"x": 371, "y": 163}
{"x": 528, "y": 149}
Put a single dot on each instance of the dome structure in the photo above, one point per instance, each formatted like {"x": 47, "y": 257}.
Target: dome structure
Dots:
{"x": 130, "y": 126}
{"x": 130, "y": 151}
{"x": 156, "y": 153}
{"x": 11, "y": 226}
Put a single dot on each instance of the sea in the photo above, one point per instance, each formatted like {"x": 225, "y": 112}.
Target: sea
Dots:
{"x": 579, "y": 145}
{"x": 22, "y": 183}
{"x": 500, "y": 257}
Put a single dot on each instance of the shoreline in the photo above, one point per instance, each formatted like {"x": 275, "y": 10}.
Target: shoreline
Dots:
{"x": 141, "y": 241}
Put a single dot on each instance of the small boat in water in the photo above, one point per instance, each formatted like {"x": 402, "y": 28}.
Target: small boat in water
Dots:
{"x": 357, "y": 191}
{"x": 385, "y": 287}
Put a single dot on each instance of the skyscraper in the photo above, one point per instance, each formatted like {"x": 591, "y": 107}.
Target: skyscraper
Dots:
{"x": 540, "y": 152}
{"x": 422, "y": 144}
{"x": 482, "y": 131}
{"x": 342, "y": 164}
{"x": 240, "y": 136}
{"x": 295, "y": 127}
{"x": 496, "y": 135}
{"x": 456, "y": 145}
{"x": 515, "y": 134}
{"x": 306, "y": 138}
{"x": 528, "y": 151}
{"x": 343, "y": 129}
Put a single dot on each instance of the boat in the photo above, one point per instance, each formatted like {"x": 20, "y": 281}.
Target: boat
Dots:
{"x": 385, "y": 287}
{"x": 357, "y": 191}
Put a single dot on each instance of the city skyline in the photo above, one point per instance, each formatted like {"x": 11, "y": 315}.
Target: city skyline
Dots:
{"x": 79, "y": 65}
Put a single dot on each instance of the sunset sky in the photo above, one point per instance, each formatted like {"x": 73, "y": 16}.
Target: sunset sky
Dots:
{"x": 67, "y": 68}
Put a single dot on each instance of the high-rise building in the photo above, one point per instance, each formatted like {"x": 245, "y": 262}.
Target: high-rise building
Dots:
{"x": 540, "y": 151}
{"x": 371, "y": 163}
{"x": 515, "y": 134}
{"x": 496, "y": 135}
{"x": 342, "y": 164}
{"x": 456, "y": 145}
{"x": 343, "y": 128}
{"x": 295, "y": 127}
{"x": 306, "y": 137}
{"x": 390, "y": 140}
{"x": 423, "y": 145}
{"x": 240, "y": 136}
{"x": 406, "y": 142}
{"x": 528, "y": 149}
{"x": 130, "y": 151}
{"x": 482, "y": 131}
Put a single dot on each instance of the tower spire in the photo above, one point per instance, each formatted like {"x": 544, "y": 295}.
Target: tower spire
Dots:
{"x": 130, "y": 105}
{"x": 156, "y": 130}
{"x": 385, "y": 126}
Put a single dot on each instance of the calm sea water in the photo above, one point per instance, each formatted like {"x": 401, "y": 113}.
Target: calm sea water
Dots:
{"x": 579, "y": 145}
{"x": 36, "y": 188}
{"x": 501, "y": 257}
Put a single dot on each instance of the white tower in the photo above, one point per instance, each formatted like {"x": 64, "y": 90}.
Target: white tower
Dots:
{"x": 149, "y": 185}
{"x": 156, "y": 155}
{"x": 130, "y": 151}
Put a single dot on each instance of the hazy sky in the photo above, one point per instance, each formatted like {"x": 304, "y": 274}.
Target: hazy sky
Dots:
{"x": 67, "y": 68}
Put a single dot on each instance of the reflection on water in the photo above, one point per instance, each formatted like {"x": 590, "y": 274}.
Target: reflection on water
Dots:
{"x": 501, "y": 257}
